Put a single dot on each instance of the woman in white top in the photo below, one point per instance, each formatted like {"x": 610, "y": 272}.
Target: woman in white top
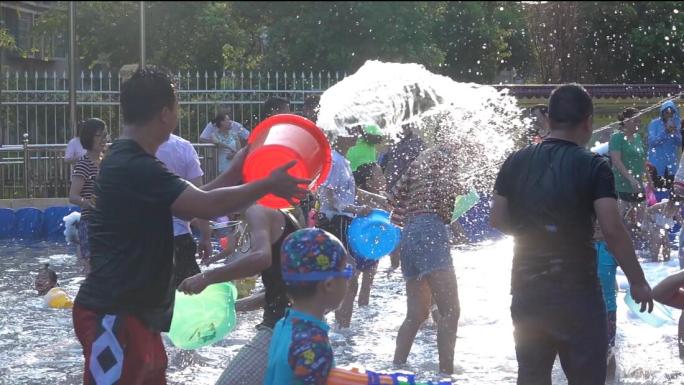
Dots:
{"x": 227, "y": 135}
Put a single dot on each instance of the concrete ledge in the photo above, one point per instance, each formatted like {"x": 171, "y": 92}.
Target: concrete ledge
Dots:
{"x": 39, "y": 203}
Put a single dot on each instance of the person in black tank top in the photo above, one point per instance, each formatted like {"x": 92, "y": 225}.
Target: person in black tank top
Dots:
{"x": 275, "y": 297}
{"x": 268, "y": 228}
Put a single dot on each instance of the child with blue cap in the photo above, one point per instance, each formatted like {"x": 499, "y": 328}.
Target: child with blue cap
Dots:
{"x": 315, "y": 270}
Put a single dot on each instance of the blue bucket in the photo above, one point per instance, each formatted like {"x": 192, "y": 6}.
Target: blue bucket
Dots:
{"x": 373, "y": 236}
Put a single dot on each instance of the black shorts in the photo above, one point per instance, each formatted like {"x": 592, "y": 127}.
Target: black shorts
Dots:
{"x": 363, "y": 174}
{"x": 185, "y": 264}
{"x": 571, "y": 324}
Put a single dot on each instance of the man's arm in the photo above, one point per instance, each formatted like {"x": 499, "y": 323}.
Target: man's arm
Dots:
{"x": 204, "y": 247}
{"x": 620, "y": 244}
{"x": 670, "y": 291}
{"x": 499, "y": 217}
{"x": 233, "y": 175}
{"x": 196, "y": 203}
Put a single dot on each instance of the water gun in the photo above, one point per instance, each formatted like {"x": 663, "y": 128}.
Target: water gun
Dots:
{"x": 354, "y": 376}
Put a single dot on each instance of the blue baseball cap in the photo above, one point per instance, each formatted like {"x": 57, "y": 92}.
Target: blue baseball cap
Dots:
{"x": 311, "y": 255}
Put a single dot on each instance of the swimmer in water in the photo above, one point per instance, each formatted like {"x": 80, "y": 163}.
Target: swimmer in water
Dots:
{"x": 53, "y": 295}
{"x": 46, "y": 280}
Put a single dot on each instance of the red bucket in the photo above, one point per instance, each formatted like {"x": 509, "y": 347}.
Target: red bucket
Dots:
{"x": 281, "y": 139}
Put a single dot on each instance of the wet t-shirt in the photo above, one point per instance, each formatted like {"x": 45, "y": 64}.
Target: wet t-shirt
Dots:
{"x": 131, "y": 237}
{"x": 551, "y": 188}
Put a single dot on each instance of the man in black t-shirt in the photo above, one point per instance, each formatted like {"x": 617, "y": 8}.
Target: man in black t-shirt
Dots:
{"x": 127, "y": 299}
{"x": 548, "y": 197}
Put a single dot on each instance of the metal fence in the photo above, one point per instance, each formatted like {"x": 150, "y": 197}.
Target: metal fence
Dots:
{"x": 34, "y": 113}
{"x": 37, "y": 103}
{"x": 39, "y": 170}
{"x": 34, "y": 116}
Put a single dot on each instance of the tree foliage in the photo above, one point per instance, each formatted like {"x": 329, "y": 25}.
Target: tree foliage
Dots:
{"x": 547, "y": 42}
{"x": 6, "y": 39}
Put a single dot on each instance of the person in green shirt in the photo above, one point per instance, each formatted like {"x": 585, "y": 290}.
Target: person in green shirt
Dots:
{"x": 628, "y": 156}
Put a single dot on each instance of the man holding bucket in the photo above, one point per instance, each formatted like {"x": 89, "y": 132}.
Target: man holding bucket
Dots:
{"x": 128, "y": 297}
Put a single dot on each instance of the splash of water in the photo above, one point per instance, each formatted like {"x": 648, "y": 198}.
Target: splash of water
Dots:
{"x": 483, "y": 123}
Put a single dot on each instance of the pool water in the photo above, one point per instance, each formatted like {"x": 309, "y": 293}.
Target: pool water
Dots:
{"x": 38, "y": 346}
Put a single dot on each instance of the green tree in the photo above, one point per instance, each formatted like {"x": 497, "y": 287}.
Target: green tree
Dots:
{"x": 657, "y": 44}
{"x": 343, "y": 35}
{"x": 180, "y": 36}
{"x": 481, "y": 38}
{"x": 6, "y": 39}
{"x": 606, "y": 42}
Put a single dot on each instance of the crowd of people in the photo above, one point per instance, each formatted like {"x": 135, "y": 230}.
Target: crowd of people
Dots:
{"x": 566, "y": 208}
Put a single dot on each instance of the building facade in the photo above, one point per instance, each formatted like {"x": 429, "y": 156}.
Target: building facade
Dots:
{"x": 32, "y": 53}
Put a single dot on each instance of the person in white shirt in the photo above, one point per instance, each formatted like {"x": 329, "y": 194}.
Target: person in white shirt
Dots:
{"x": 209, "y": 130}
{"x": 181, "y": 158}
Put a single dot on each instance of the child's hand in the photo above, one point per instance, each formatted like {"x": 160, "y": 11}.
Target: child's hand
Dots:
{"x": 193, "y": 285}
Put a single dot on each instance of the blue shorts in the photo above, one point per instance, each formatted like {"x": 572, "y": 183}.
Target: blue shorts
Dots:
{"x": 607, "y": 268}
{"x": 424, "y": 246}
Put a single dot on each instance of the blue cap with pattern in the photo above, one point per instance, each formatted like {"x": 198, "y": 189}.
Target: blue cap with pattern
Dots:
{"x": 310, "y": 255}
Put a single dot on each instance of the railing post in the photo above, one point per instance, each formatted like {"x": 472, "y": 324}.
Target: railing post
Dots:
{"x": 72, "y": 69}
{"x": 27, "y": 168}
{"x": 143, "y": 61}
{"x": 216, "y": 159}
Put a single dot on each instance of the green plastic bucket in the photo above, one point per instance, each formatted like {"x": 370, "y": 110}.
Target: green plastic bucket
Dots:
{"x": 202, "y": 319}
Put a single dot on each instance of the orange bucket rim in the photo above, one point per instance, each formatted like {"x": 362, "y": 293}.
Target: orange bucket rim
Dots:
{"x": 307, "y": 125}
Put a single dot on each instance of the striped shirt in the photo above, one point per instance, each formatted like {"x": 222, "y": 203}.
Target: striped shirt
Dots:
{"x": 429, "y": 185}
{"x": 86, "y": 169}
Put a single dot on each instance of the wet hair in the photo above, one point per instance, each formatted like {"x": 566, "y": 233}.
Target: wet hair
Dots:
{"x": 52, "y": 276}
{"x": 88, "y": 130}
{"x": 273, "y": 104}
{"x": 301, "y": 290}
{"x": 627, "y": 114}
{"x": 145, "y": 94}
{"x": 219, "y": 118}
{"x": 569, "y": 105}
